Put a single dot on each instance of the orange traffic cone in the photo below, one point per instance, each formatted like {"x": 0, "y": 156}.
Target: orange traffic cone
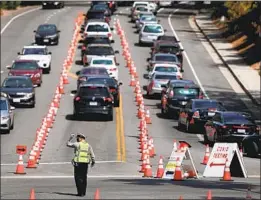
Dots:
{"x": 148, "y": 170}
{"x": 151, "y": 147}
{"x": 132, "y": 82}
{"x": 20, "y": 166}
{"x": 160, "y": 171}
{"x": 248, "y": 195}
{"x": 61, "y": 89}
{"x": 32, "y": 160}
{"x": 65, "y": 79}
{"x": 206, "y": 156}
{"x": 143, "y": 164}
{"x": 178, "y": 173}
{"x": 97, "y": 194}
{"x": 147, "y": 117}
{"x": 209, "y": 195}
{"x": 180, "y": 198}
{"x": 226, "y": 175}
{"x": 32, "y": 194}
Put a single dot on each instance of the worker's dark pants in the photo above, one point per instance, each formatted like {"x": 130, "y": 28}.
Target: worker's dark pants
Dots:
{"x": 80, "y": 176}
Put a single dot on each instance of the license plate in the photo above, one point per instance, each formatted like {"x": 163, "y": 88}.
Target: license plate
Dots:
{"x": 46, "y": 40}
{"x": 93, "y": 103}
{"x": 241, "y": 130}
{"x": 151, "y": 37}
{"x": 16, "y": 100}
{"x": 211, "y": 114}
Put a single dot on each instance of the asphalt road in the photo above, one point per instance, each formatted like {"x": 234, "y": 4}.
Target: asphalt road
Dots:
{"x": 112, "y": 143}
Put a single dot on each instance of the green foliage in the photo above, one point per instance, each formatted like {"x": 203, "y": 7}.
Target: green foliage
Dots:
{"x": 9, "y": 5}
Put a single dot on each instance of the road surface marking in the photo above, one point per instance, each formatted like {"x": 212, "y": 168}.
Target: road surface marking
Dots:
{"x": 186, "y": 56}
{"x": 17, "y": 16}
{"x": 161, "y": 9}
{"x": 64, "y": 177}
{"x": 65, "y": 163}
{"x": 121, "y": 149}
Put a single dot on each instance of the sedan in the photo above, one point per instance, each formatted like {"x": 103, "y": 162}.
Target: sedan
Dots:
{"x": 167, "y": 68}
{"x": 20, "y": 90}
{"x": 163, "y": 58}
{"x": 98, "y": 29}
{"x": 197, "y": 112}
{"x": 47, "y": 34}
{"x": 229, "y": 126}
{"x": 28, "y": 68}
{"x": 149, "y": 33}
{"x": 7, "y": 114}
{"x": 103, "y": 6}
{"x": 157, "y": 80}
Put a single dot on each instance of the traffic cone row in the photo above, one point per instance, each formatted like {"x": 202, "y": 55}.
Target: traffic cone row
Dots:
{"x": 48, "y": 121}
{"x": 146, "y": 145}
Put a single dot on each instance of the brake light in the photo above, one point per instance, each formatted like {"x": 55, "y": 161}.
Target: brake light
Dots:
{"x": 112, "y": 90}
{"x": 171, "y": 94}
{"x": 109, "y": 34}
{"x": 77, "y": 98}
{"x": 85, "y": 60}
{"x": 107, "y": 99}
{"x": 83, "y": 47}
{"x": 196, "y": 114}
{"x": 113, "y": 69}
{"x": 223, "y": 127}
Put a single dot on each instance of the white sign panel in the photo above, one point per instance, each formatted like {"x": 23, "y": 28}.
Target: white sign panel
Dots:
{"x": 216, "y": 163}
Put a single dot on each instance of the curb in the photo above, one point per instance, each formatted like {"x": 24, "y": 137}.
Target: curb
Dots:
{"x": 254, "y": 101}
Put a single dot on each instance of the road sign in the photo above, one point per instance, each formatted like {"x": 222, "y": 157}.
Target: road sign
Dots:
{"x": 21, "y": 149}
{"x": 219, "y": 154}
{"x": 182, "y": 156}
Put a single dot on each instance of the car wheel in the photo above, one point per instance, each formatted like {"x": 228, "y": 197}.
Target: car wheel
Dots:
{"x": 180, "y": 126}
{"x": 252, "y": 150}
{"x": 117, "y": 103}
{"x": 110, "y": 116}
{"x": 140, "y": 44}
{"x": 39, "y": 85}
{"x": 57, "y": 42}
{"x": 33, "y": 105}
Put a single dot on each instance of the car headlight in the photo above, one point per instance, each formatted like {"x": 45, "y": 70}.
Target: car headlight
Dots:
{"x": 51, "y": 36}
{"x": 44, "y": 4}
{"x": 29, "y": 95}
{"x": 56, "y": 3}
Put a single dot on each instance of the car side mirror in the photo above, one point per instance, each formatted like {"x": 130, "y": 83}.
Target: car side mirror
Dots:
{"x": 117, "y": 64}
{"x": 112, "y": 41}
{"x": 120, "y": 83}
{"x": 58, "y": 31}
{"x": 50, "y": 53}
{"x": 78, "y": 73}
{"x": 117, "y": 52}
{"x": 34, "y": 31}
{"x": 18, "y": 53}
{"x": 8, "y": 67}
{"x": 111, "y": 28}
{"x": 146, "y": 76}
{"x": 12, "y": 108}
{"x": 82, "y": 28}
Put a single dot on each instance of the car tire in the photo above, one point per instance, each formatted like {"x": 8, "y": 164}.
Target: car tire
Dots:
{"x": 140, "y": 44}
{"x": 32, "y": 106}
{"x": 117, "y": 103}
{"x": 110, "y": 116}
{"x": 57, "y": 42}
{"x": 39, "y": 85}
{"x": 253, "y": 151}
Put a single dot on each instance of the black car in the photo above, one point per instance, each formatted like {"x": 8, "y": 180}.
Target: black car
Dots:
{"x": 113, "y": 85}
{"x": 52, "y": 4}
{"x": 47, "y": 34}
{"x": 93, "y": 71}
{"x": 251, "y": 145}
{"x": 20, "y": 90}
{"x": 229, "y": 126}
{"x": 96, "y": 15}
{"x": 102, "y": 7}
{"x": 176, "y": 94}
{"x": 197, "y": 112}
{"x": 93, "y": 98}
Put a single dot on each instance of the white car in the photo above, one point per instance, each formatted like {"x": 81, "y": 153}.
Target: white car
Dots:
{"x": 166, "y": 68}
{"x": 98, "y": 29}
{"x": 165, "y": 3}
{"x": 107, "y": 63}
{"x": 149, "y": 33}
{"x": 38, "y": 53}
{"x": 152, "y": 6}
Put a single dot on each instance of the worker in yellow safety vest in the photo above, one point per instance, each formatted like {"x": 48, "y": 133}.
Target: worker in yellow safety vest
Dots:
{"x": 83, "y": 157}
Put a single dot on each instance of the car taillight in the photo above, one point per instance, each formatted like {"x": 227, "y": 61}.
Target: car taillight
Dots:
{"x": 37, "y": 75}
{"x": 171, "y": 94}
{"x": 196, "y": 114}
{"x": 224, "y": 127}
{"x": 107, "y": 19}
{"x": 112, "y": 90}
{"x": 83, "y": 47}
{"x": 77, "y": 98}
{"x": 179, "y": 77}
{"x": 107, "y": 99}
{"x": 85, "y": 60}
{"x": 109, "y": 34}
{"x": 113, "y": 69}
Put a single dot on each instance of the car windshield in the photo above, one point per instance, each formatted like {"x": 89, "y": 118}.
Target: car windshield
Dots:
{"x": 148, "y": 18}
{"x": 34, "y": 51}
{"x": 51, "y": 29}
{"x": 186, "y": 92}
{"x": 25, "y": 65}
{"x": 141, "y": 8}
{"x": 102, "y": 62}
{"x": 206, "y": 104}
{"x": 152, "y": 29}
{"x": 86, "y": 71}
{"x": 99, "y": 51}
{"x": 165, "y": 77}
{"x": 3, "y": 104}
{"x": 17, "y": 83}
{"x": 172, "y": 49}
{"x": 166, "y": 58}
{"x": 105, "y": 81}
{"x": 97, "y": 28}
{"x": 93, "y": 91}
{"x": 100, "y": 7}
{"x": 166, "y": 69}
{"x": 235, "y": 118}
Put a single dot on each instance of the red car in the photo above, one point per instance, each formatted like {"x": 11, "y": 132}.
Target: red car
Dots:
{"x": 28, "y": 68}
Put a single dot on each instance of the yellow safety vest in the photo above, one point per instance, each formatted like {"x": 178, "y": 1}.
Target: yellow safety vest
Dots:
{"x": 82, "y": 153}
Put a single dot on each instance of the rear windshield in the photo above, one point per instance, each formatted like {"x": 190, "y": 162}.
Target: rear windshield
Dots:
{"x": 186, "y": 91}
{"x": 93, "y": 91}
{"x": 106, "y": 81}
{"x": 152, "y": 29}
{"x": 97, "y": 41}
{"x": 3, "y": 105}
{"x": 235, "y": 118}
{"x": 142, "y": 8}
{"x": 94, "y": 71}
{"x": 97, "y": 28}
{"x": 168, "y": 77}
{"x": 99, "y": 51}
{"x": 171, "y": 49}
{"x": 25, "y": 65}
{"x": 100, "y": 7}
{"x": 141, "y": 4}
{"x": 148, "y": 18}
{"x": 166, "y": 58}
{"x": 17, "y": 83}
{"x": 34, "y": 51}
{"x": 102, "y": 62}
{"x": 206, "y": 104}
{"x": 95, "y": 15}
{"x": 166, "y": 69}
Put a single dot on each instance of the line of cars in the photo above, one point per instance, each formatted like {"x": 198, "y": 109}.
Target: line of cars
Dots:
{"x": 26, "y": 73}
{"x": 98, "y": 88}
{"x": 183, "y": 99}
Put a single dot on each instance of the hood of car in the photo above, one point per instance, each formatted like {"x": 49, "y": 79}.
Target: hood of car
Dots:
{"x": 17, "y": 90}
{"x": 24, "y": 72}
{"x": 46, "y": 34}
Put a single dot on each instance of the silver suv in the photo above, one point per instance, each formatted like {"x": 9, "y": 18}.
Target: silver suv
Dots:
{"x": 7, "y": 114}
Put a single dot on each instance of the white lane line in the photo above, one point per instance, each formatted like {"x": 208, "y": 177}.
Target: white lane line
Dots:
{"x": 65, "y": 177}
{"x": 161, "y": 9}
{"x": 17, "y": 16}
{"x": 65, "y": 163}
{"x": 186, "y": 56}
